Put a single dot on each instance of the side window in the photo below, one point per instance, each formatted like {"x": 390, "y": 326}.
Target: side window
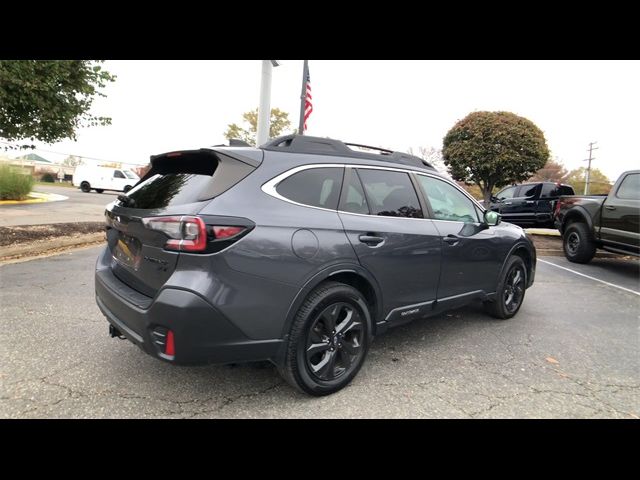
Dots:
{"x": 506, "y": 193}
{"x": 550, "y": 190}
{"x": 630, "y": 187}
{"x": 390, "y": 194}
{"x": 529, "y": 190}
{"x": 447, "y": 202}
{"x": 118, "y": 174}
{"x": 317, "y": 187}
{"x": 353, "y": 198}
{"x": 566, "y": 190}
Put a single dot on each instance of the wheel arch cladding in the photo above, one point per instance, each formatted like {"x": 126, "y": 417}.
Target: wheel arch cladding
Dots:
{"x": 521, "y": 250}
{"x": 577, "y": 214}
{"x": 350, "y": 275}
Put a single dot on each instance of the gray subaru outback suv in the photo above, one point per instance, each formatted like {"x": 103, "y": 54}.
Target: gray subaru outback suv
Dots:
{"x": 298, "y": 252}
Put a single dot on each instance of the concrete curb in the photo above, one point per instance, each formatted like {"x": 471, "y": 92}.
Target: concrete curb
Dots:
{"x": 36, "y": 197}
{"x": 43, "y": 247}
{"x": 543, "y": 231}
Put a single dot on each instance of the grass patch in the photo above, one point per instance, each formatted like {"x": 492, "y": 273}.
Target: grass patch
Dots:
{"x": 13, "y": 184}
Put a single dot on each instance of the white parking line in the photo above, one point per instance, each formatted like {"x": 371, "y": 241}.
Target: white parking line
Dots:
{"x": 590, "y": 277}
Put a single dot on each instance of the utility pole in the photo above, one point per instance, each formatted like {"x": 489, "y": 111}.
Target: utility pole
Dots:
{"x": 591, "y": 157}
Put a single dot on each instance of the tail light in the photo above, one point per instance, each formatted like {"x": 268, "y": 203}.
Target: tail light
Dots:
{"x": 186, "y": 234}
{"x": 190, "y": 234}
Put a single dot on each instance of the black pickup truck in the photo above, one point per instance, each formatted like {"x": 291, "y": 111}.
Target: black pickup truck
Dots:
{"x": 610, "y": 222}
{"x": 529, "y": 204}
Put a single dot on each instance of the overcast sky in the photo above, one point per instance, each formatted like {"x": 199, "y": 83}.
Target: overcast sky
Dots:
{"x": 158, "y": 106}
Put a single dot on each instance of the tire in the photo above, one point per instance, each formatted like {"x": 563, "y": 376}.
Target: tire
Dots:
{"x": 99, "y": 190}
{"x": 578, "y": 244}
{"x": 331, "y": 365}
{"x": 85, "y": 187}
{"x": 127, "y": 188}
{"x": 511, "y": 289}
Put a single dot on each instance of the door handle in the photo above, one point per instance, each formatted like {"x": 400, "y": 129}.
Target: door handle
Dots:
{"x": 371, "y": 240}
{"x": 451, "y": 239}
{"x": 609, "y": 207}
{"x": 530, "y": 201}
{"x": 508, "y": 203}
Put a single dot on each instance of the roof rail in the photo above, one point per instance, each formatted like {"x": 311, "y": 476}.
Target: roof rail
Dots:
{"x": 328, "y": 146}
{"x": 234, "y": 142}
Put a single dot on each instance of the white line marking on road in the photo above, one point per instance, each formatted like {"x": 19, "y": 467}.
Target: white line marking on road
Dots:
{"x": 590, "y": 277}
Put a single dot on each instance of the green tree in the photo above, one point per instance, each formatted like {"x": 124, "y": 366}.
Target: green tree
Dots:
{"x": 48, "y": 100}
{"x": 247, "y": 132}
{"x": 553, "y": 171}
{"x": 599, "y": 183}
{"x": 493, "y": 149}
{"x": 431, "y": 155}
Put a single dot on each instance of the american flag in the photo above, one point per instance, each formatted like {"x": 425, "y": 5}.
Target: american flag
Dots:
{"x": 308, "y": 107}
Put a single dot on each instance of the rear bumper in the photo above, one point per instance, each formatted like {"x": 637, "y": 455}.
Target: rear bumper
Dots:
{"x": 202, "y": 334}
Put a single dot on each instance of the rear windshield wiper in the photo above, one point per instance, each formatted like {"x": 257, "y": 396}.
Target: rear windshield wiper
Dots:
{"x": 126, "y": 201}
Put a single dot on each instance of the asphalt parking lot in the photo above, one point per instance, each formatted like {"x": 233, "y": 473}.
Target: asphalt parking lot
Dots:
{"x": 573, "y": 351}
{"x": 79, "y": 207}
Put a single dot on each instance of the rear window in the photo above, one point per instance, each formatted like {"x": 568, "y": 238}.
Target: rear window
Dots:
{"x": 187, "y": 177}
{"x": 316, "y": 187}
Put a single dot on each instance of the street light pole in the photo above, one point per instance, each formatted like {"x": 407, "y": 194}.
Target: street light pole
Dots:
{"x": 264, "y": 109}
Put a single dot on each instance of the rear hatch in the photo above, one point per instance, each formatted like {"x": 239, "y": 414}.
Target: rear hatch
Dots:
{"x": 145, "y": 226}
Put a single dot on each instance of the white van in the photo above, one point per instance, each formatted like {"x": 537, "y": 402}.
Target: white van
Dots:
{"x": 89, "y": 177}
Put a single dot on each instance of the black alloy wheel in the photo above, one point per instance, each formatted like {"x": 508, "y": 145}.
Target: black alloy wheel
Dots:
{"x": 335, "y": 341}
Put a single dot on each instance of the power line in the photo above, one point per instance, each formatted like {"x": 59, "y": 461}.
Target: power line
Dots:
{"x": 79, "y": 156}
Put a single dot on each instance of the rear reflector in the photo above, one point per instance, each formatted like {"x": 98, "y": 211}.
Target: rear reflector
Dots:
{"x": 224, "y": 233}
{"x": 170, "y": 348}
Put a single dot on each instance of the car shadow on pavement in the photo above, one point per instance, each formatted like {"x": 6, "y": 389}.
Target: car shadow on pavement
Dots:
{"x": 208, "y": 390}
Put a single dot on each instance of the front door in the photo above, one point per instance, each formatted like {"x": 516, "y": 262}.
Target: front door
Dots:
{"x": 620, "y": 221}
{"x": 471, "y": 251}
{"x": 521, "y": 209}
{"x": 385, "y": 225}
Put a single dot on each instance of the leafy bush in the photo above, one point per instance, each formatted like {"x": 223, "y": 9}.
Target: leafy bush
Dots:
{"x": 13, "y": 184}
{"x": 47, "y": 177}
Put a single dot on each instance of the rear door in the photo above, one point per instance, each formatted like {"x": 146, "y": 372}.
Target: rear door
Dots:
{"x": 384, "y": 221}
{"x": 620, "y": 221}
{"x": 178, "y": 184}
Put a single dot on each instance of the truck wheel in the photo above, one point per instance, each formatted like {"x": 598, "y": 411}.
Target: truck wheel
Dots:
{"x": 578, "y": 243}
{"x": 510, "y": 290}
{"x": 329, "y": 340}
{"x": 85, "y": 187}
{"x": 99, "y": 190}
{"x": 127, "y": 188}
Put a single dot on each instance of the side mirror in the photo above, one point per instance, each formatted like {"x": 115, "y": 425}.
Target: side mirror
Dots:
{"x": 492, "y": 218}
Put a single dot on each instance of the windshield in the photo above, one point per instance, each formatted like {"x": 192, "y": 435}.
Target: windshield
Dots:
{"x": 129, "y": 174}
